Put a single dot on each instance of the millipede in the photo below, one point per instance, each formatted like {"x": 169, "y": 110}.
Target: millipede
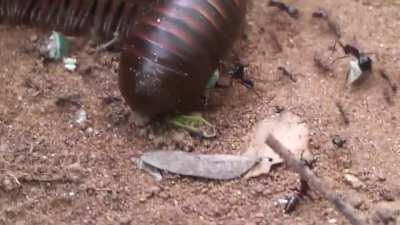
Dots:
{"x": 170, "y": 47}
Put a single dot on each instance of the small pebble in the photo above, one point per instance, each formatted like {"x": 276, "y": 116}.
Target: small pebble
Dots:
{"x": 259, "y": 188}
{"x": 139, "y": 119}
{"x": 259, "y": 215}
{"x": 142, "y": 199}
{"x": 33, "y": 38}
{"x": 89, "y": 130}
{"x": 81, "y": 117}
{"x": 387, "y": 195}
{"x": 164, "y": 195}
{"x": 332, "y": 221}
{"x": 354, "y": 182}
{"x": 380, "y": 177}
{"x": 153, "y": 190}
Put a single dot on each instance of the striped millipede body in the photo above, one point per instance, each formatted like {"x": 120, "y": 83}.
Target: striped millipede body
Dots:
{"x": 104, "y": 17}
{"x": 171, "y": 47}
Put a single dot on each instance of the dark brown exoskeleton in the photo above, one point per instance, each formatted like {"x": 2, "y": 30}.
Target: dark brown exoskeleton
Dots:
{"x": 102, "y": 17}
{"x": 173, "y": 50}
{"x": 171, "y": 46}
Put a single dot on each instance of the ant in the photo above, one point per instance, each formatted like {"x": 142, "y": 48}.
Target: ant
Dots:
{"x": 364, "y": 61}
{"x": 238, "y": 72}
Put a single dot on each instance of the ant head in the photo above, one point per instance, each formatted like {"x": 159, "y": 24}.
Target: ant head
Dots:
{"x": 365, "y": 62}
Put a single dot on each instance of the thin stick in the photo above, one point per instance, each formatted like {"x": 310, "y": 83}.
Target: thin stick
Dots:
{"x": 316, "y": 183}
{"x": 342, "y": 113}
{"x": 109, "y": 43}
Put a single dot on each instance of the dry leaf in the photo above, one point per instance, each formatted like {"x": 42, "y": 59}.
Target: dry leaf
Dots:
{"x": 288, "y": 129}
{"x": 257, "y": 160}
{"x": 220, "y": 167}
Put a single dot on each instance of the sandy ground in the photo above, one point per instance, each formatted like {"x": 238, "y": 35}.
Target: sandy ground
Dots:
{"x": 53, "y": 171}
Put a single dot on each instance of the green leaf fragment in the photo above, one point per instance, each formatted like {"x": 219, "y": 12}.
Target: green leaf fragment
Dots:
{"x": 56, "y": 46}
{"x": 213, "y": 80}
{"x": 195, "y": 124}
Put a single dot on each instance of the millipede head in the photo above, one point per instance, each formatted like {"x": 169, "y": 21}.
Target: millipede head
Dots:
{"x": 151, "y": 88}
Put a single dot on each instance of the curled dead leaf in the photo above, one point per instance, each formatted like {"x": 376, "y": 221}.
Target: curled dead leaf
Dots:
{"x": 289, "y": 129}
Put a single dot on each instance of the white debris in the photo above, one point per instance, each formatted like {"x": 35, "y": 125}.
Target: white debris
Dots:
{"x": 355, "y": 73}
{"x": 70, "y": 64}
{"x": 354, "y": 181}
{"x": 81, "y": 117}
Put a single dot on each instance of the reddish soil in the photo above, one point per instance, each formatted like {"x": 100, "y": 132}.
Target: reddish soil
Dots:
{"x": 54, "y": 171}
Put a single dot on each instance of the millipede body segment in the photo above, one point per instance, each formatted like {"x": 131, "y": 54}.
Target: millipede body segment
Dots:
{"x": 173, "y": 50}
{"x": 103, "y": 17}
{"x": 171, "y": 47}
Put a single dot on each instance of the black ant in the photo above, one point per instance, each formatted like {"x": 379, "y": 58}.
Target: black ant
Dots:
{"x": 238, "y": 72}
{"x": 364, "y": 61}
{"x": 289, "y": 9}
{"x": 299, "y": 194}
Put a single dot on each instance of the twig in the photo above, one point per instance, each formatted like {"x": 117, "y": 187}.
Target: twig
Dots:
{"x": 275, "y": 42}
{"x": 333, "y": 48}
{"x": 337, "y": 59}
{"x": 342, "y": 113}
{"x": 388, "y": 80}
{"x": 15, "y": 179}
{"x": 316, "y": 183}
{"x": 388, "y": 97}
{"x": 56, "y": 180}
{"x": 286, "y": 73}
{"x": 106, "y": 45}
